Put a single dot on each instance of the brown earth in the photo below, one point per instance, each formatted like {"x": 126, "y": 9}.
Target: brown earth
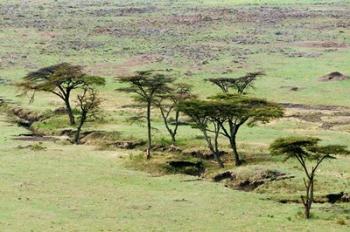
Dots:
{"x": 334, "y": 76}
{"x": 126, "y": 68}
{"x": 321, "y": 44}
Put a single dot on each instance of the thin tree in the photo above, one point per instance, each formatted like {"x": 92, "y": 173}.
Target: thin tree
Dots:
{"x": 61, "y": 80}
{"x": 146, "y": 85}
{"x": 167, "y": 103}
{"x": 304, "y": 150}
{"x": 203, "y": 115}
{"x": 88, "y": 104}
{"x": 238, "y": 85}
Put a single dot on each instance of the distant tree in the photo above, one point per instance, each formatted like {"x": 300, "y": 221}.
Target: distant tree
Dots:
{"x": 88, "y": 104}
{"x": 61, "y": 80}
{"x": 234, "y": 110}
{"x": 305, "y": 149}
{"x": 167, "y": 103}
{"x": 238, "y": 85}
{"x": 203, "y": 115}
{"x": 146, "y": 86}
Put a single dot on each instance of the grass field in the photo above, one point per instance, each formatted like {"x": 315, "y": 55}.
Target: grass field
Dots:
{"x": 55, "y": 186}
{"x": 78, "y": 188}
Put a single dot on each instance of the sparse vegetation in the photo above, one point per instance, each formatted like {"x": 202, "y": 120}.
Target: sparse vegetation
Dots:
{"x": 61, "y": 80}
{"x": 146, "y": 86}
{"x": 88, "y": 103}
{"x": 307, "y": 149}
{"x": 167, "y": 103}
{"x": 217, "y": 69}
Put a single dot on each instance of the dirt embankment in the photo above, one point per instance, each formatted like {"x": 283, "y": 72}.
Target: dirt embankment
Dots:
{"x": 250, "y": 181}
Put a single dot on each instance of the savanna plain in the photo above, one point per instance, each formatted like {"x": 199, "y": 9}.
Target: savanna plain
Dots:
{"x": 105, "y": 183}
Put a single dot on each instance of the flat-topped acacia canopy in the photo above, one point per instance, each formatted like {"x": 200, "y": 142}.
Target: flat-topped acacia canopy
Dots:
{"x": 60, "y": 79}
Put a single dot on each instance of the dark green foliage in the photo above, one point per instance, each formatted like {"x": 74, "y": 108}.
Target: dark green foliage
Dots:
{"x": 245, "y": 109}
{"x": 305, "y": 149}
{"x": 145, "y": 86}
{"x": 239, "y": 85}
{"x": 61, "y": 80}
{"x": 227, "y": 113}
{"x": 203, "y": 114}
{"x": 167, "y": 102}
{"x": 234, "y": 110}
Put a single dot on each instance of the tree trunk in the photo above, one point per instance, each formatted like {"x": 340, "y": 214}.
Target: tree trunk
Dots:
{"x": 233, "y": 144}
{"x": 231, "y": 135}
{"x": 69, "y": 112}
{"x": 216, "y": 147}
{"x": 173, "y": 139}
{"x": 171, "y": 132}
{"x": 81, "y": 123}
{"x": 213, "y": 149}
{"x": 217, "y": 158}
{"x": 149, "y": 131}
{"x": 309, "y": 197}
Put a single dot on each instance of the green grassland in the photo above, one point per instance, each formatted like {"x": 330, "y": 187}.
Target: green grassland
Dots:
{"x": 55, "y": 186}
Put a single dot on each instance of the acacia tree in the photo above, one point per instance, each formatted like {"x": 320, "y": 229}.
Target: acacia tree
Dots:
{"x": 146, "y": 85}
{"x": 61, "y": 80}
{"x": 203, "y": 115}
{"x": 239, "y": 85}
{"x": 234, "y": 110}
{"x": 305, "y": 149}
{"x": 88, "y": 103}
{"x": 167, "y": 103}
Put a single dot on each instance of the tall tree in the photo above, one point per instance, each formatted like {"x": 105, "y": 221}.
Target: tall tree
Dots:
{"x": 167, "y": 103}
{"x": 61, "y": 80}
{"x": 227, "y": 113}
{"x": 235, "y": 110}
{"x": 305, "y": 149}
{"x": 238, "y": 85}
{"x": 146, "y": 85}
{"x": 88, "y": 103}
{"x": 203, "y": 115}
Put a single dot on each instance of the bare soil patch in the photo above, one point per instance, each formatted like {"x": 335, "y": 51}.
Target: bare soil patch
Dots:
{"x": 271, "y": 15}
{"x": 325, "y": 116}
{"x": 26, "y": 118}
{"x": 201, "y": 154}
{"x": 334, "y": 76}
{"x": 314, "y": 107}
{"x": 321, "y": 44}
{"x": 34, "y": 138}
{"x": 250, "y": 181}
{"x": 123, "y": 11}
{"x": 125, "y": 68}
{"x": 127, "y": 144}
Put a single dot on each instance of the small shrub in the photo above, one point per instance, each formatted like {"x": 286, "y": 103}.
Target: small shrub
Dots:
{"x": 139, "y": 157}
{"x": 38, "y": 147}
{"x": 341, "y": 221}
